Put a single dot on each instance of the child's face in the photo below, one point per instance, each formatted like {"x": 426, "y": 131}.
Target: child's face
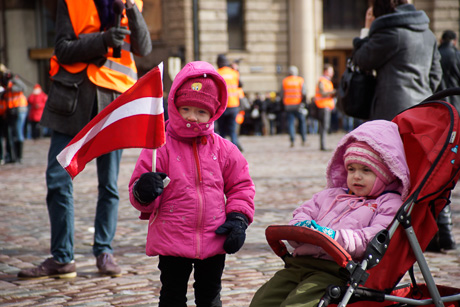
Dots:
{"x": 194, "y": 114}
{"x": 360, "y": 179}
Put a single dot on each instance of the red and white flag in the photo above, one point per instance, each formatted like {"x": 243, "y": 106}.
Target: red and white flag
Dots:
{"x": 134, "y": 120}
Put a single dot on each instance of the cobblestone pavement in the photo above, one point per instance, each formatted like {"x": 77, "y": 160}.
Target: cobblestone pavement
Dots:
{"x": 284, "y": 177}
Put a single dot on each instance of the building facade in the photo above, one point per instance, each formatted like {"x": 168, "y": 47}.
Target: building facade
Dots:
{"x": 266, "y": 36}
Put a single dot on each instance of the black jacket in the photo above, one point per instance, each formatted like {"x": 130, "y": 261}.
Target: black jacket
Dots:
{"x": 450, "y": 63}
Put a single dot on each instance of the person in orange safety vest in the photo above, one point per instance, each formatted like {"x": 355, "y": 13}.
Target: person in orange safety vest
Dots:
{"x": 15, "y": 103}
{"x": 226, "y": 124}
{"x": 294, "y": 104}
{"x": 93, "y": 64}
{"x": 325, "y": 102}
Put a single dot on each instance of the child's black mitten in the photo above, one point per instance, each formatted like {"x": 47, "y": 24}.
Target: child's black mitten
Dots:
{"x": 235, "y": 228}
{"x": 149, "y": 187}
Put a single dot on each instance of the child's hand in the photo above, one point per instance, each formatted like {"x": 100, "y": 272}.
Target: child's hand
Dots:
{"x": 306, "y": 223}
{"x": 325, "y": 230}
{"x": 235, "y": 228}
{"x": 149, "y": 187}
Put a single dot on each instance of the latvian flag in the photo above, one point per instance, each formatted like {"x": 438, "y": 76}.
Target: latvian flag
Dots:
{"x": 134, "y": 120}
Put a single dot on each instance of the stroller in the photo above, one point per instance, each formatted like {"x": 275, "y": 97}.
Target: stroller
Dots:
{"x": 430, "y": 134}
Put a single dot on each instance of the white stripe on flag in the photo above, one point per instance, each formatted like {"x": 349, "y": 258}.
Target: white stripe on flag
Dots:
{"x": 141, "y": 106}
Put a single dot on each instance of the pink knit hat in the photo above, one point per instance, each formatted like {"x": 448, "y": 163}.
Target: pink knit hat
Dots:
{"x": 200, "y": 92}
{"x": 362, "y": 153}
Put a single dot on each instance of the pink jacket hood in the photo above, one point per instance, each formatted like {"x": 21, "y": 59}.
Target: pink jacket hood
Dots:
{"x": 177, "y": 124}
{"x": 383, "y": 136}
{"x": 355, "y": 219}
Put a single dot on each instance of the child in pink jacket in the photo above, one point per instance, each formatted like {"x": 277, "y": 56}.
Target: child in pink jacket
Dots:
{"x": 203, "y": 212}
{"x": 367, "y": 181}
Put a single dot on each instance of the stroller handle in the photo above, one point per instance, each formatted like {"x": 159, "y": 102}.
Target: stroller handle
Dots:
{"x": 275, "y": 234}
{"x": 453, "y": 91}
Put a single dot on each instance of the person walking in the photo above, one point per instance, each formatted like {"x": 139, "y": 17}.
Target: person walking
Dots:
{"x": 226, "y": 124}
{"x": 204, "y": 211}
{"x": 293, "y": 96}
{"x": 16, "y": 114}
{"x": 37, "y": 101}
{"x": 324, "y": 101}
{"x": 397, "y": 32}
{"x": 87, "y": 75}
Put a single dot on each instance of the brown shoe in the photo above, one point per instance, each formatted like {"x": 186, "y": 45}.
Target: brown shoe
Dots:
{"x": 106, "y": 264}
{"x": 50, "y": 268}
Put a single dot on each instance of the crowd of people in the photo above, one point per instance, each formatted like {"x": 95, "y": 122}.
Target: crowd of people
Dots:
{"x": 19, "y": 115}
{"x": 266, "y": 115}
{"x": 211, "y": 182}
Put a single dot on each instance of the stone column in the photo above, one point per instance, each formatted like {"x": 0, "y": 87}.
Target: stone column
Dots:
{"x": 305, "y": 20}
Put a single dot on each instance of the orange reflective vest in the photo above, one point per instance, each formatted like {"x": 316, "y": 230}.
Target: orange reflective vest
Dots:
{"x": 324, "y": 102}
{"x": 292, "y": 90}
{"x": 117, "y": 74}
{"x": 14, "y": 99}
{"x": 231, "y": 78}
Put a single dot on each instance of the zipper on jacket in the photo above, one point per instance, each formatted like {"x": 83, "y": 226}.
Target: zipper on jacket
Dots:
{"x": 200, "y": 199}
{"x": 154, "y": 217}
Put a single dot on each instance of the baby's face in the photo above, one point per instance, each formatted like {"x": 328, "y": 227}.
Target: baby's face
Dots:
{"x": 360, "y": 179}
{"x": 194, "y": 114}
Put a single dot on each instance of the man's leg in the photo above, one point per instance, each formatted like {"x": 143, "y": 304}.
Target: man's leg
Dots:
{"x": 302, "y": 126}
{"x": 59, "y": 200}
{"x": 105, "y": 223}
{"x": 231, "y": 124}
{"x": 222, "y": 125}
{"x": 291, "y": 127}
{"x": 325, "y": 115}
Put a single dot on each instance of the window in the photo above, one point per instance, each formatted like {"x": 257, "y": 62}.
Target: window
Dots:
{"x": 235, "y": 24}
{"x": 344, "y": 14}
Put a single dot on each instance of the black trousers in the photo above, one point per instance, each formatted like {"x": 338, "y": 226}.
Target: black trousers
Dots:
{"x": 175, "y": 273}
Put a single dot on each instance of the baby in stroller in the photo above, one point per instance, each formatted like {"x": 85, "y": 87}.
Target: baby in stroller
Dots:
{"x": 367, "y": 181}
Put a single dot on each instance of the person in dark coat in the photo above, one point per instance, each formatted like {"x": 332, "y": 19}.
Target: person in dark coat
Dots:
{"x": 450, "y": 63}
{"x": 87, "y": 76}
{"x": 403, "y": 51}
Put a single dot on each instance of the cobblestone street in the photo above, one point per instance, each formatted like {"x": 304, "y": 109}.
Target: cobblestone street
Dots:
{"x": 284, "y": 177}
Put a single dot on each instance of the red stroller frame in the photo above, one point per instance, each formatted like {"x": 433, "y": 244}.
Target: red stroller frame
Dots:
{"x": 431, "y": 137}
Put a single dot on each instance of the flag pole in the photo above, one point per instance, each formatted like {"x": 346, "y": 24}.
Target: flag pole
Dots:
{"x": 167, "y": 180}
{"x": 154, "y": 160}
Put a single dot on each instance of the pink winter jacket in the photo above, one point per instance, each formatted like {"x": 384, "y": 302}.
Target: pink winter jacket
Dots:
{"x": 209, "y": 179}
{"x": 357, "y": 220}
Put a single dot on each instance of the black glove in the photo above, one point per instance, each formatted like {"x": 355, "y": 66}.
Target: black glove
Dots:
{"x": 114, "y": 36}
{"x": 148, "y": 187}
{"x": 235, "y": 228}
